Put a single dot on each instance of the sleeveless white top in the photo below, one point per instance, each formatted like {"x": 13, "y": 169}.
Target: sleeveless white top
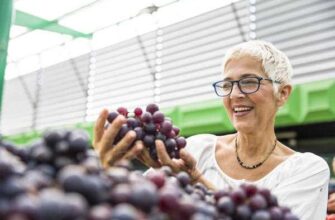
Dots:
{"x": 300, "y": 182}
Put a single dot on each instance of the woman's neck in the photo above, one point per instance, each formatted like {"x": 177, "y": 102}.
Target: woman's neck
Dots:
{"x": 254, "y": 147}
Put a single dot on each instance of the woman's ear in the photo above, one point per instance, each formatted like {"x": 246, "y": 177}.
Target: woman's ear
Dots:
{"x": 283, "y": 94}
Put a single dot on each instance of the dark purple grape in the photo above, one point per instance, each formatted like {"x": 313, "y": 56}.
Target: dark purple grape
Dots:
{"x": 42, "y": 154}
{"x": 122, "y": 132}
{"x": 152, "y": 108}
{"x": 132, "y": 123}
{"x": 25, "y": 205}
{"x": 138, "y": 123}
{"x": 124, "y": 212}
{"x": 37, "y": 179}
{"x": 166, "y": 127}
{"x": 168, "y": 199}
{"x": 290, "y": 216}
{"x": 181, "y": 142}
{"x": 189, "y": 189}
{"x": 112, "y": 116}
{"x": 157, "y": 177}
{"x": 174, "y": 154}
{"x": 11, "y": 187}
{"x": 207, "y": 209}
{"x": 139, "y": 133}
{"x": 6, "y": 169}
{"x": 243, "y": 212}
{"x": 186, "y": 208}
{"x": 78, "y": 142}
{"x": 261, "y": 215}
{"x": 158, "y": 117}
{"x": 62, "y": 147}
{"x": 141, "y": 191}
{"x": 249, "y": 189}
{"x": 123, "y": 111}
{"x": 5, "y": 208}
{"x": 176, "y": 130}
{"x": 265, "y": 193}
{"x": 272, "y": 201}
{"x": 100, "y": 212}
{"x": 257, "y": 202}
{"x": 149, "y": 140}
{"x": 153, "y": 153}
{"x": 285, "y": 209}
{"x": 62, "y": 161}
{"x": 160, "y": 136}
{"x": 202, "y": 216}
{"x": 172, "y": 134}
{"x": 138, "y": 112}
{"x": 150, "y": 128}
{"x": 51, "y": 138}
{"x": 226, "y": 205}
{"x": 220, "y": 193}
{"x": 91, "y": 187}
{"x": 183, "y": 178}
{"x": 166, "y": 170}
{"x": 238, "y": 196}
{"x": 118, "y": 175}
{"x": 276, "y": 213}
{"x": 146, "y": 117}
{"x": 170, "y": 144}
{"x": 121, "y": 193}
{"x": 46, "y": 169}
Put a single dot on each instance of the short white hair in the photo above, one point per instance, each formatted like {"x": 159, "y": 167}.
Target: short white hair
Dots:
{"x": 275, "y": 63}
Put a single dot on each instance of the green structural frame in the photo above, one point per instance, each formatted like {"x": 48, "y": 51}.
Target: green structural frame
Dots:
{"x": 309, "y": 103}
{"x": 29, "y": 21}
{"x": 6, "y": 10}
{"x": 33, "y": 22}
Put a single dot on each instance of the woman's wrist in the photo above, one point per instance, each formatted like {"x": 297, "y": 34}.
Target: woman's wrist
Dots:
{"x": 195, "y": 176}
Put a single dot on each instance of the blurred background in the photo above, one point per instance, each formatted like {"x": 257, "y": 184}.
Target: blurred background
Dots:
{"x": 66, "y": 60}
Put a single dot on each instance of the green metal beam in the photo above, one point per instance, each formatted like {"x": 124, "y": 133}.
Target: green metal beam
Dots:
{"x": 6, "y": 10}
{"x": 33, "y": 22}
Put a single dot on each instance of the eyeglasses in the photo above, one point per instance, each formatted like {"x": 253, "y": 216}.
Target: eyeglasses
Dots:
{"x": 247, "y": 85}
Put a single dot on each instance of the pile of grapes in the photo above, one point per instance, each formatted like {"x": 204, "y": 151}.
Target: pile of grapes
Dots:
{"x": 149, "y": 126}
{"x": 57, "y": 178}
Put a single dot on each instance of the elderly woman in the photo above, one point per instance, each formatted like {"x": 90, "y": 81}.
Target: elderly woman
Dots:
{"x": 256, "y": 83}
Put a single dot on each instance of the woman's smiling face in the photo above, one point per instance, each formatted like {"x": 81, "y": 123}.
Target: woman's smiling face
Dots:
{"x": 248, "y": 112}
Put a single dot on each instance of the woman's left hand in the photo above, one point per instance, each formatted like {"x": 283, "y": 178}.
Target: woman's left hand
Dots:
{"x": 186, "y": 162}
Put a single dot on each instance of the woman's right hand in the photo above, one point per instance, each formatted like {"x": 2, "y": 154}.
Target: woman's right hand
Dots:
{"x": 103, "y": 141}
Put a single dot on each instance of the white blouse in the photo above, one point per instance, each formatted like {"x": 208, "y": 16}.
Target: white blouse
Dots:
{"x": 300, "y": 182}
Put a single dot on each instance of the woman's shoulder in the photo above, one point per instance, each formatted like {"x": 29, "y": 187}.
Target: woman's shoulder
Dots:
{"x": 307, "y": 163}
{"x": 309, "y": 158}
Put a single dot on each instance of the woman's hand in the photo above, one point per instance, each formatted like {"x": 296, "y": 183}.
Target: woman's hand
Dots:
{"x": 185, "y": 163}
{"x": 103, "y": 140}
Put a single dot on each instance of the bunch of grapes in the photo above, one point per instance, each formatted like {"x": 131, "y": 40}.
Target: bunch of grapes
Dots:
{"x": 150, "y": 126}
{"x": 57, "y": 148}
{"x": 57, "y": 178}
{"x": 82, "y": 190}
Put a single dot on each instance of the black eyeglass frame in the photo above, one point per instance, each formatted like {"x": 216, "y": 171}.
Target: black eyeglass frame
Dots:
{"x": 239, "y": 86}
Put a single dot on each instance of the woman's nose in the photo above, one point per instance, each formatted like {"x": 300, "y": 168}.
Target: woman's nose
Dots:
{"x": 236, "y": 92}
